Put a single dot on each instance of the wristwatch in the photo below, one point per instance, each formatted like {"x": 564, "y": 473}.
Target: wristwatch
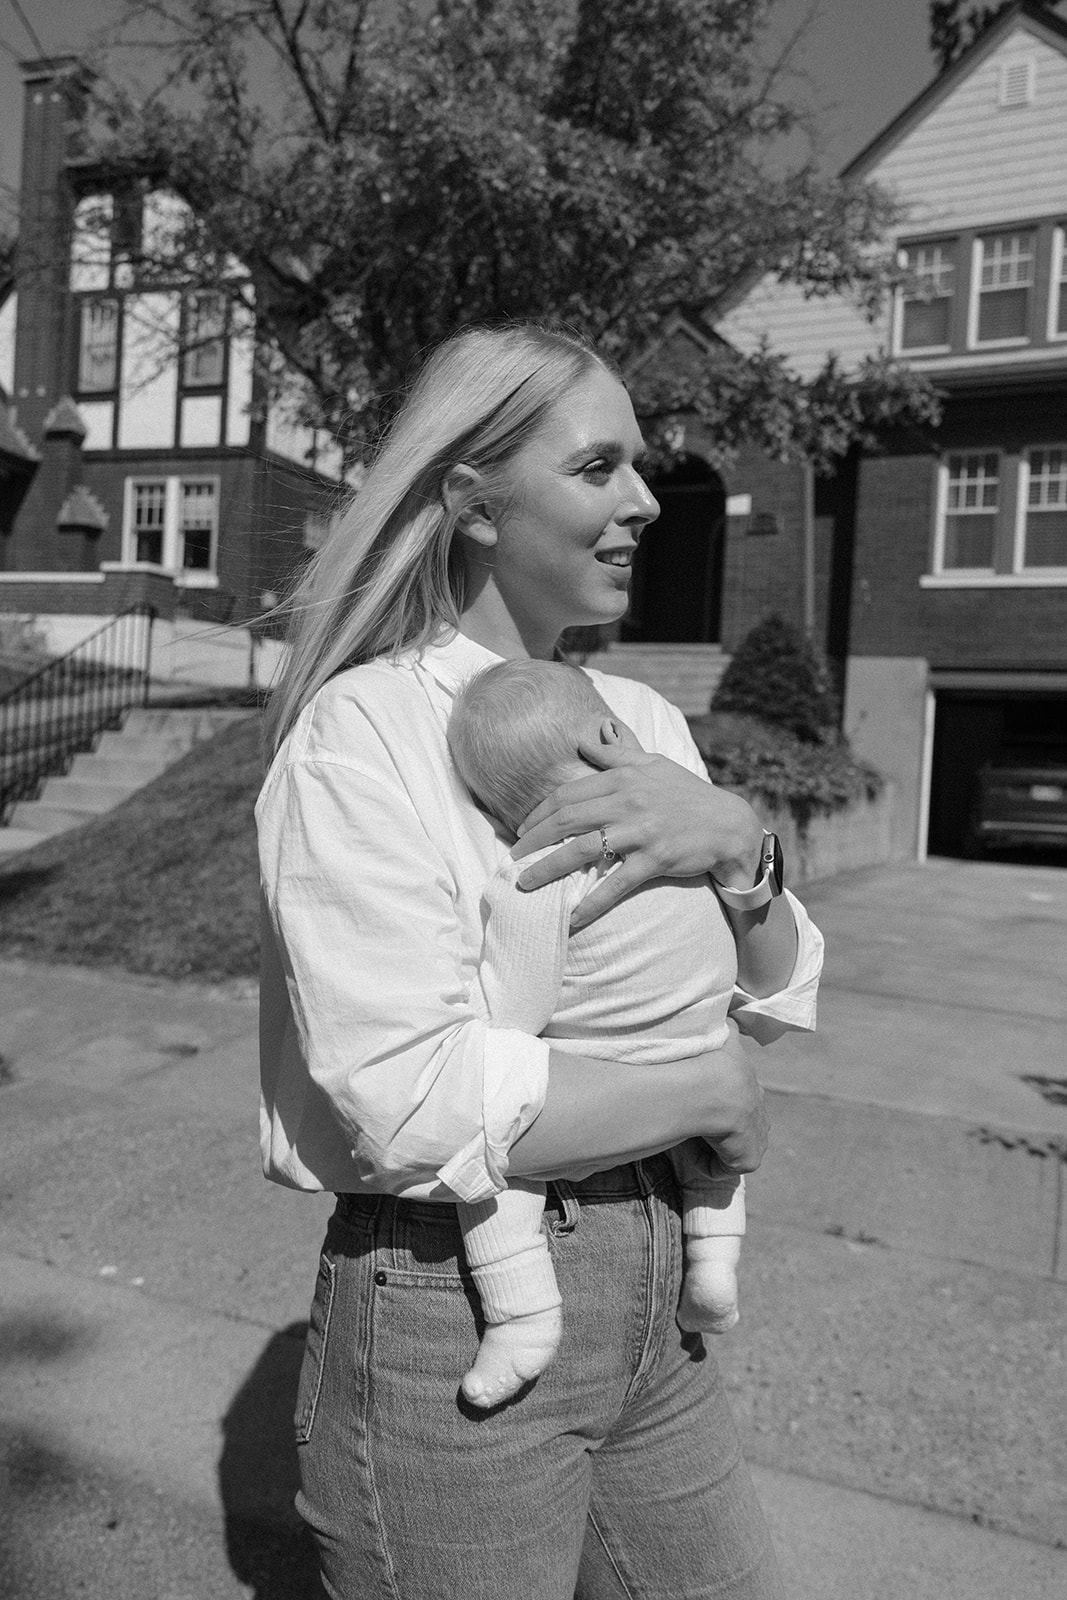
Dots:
{"x": 768, "y": 882}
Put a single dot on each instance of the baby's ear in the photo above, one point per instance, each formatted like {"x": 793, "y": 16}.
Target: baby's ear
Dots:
{"x": 609, "y": 731}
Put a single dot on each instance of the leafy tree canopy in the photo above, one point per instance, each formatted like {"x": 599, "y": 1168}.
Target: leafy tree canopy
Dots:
{"x": 387, "y": 170}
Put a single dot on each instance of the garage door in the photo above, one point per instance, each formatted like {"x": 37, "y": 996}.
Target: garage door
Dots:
{"x": 997, "y": 763}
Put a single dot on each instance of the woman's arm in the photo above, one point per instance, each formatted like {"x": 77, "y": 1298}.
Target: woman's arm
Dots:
{"x": 587, "y": 1125}
{"x": 666, "y": 822}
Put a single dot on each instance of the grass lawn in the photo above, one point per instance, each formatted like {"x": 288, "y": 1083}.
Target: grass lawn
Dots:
{"x": 166, "y": 884}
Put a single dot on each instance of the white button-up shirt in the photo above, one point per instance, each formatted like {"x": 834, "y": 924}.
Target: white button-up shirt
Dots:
{"x": 379, "y": 1069}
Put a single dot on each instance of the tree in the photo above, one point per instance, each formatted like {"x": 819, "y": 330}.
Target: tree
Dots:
{"x": 951, "y": 34}
{"x": 407, "y": 166}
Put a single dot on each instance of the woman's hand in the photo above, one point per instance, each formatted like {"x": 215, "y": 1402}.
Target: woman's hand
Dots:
{"x": 663, "y": 821}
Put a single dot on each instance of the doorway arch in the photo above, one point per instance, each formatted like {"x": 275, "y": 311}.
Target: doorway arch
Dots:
{"x": 676, "y": 590}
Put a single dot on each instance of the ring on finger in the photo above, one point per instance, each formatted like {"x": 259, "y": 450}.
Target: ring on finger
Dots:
{"x": 607, "y": 854}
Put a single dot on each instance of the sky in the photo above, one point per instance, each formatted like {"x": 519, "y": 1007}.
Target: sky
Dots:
{"x": 860, "y": 61}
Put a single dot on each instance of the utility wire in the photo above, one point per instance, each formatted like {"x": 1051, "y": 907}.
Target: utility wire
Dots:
{"x": 28, "y": 25}
{"x": 9, "y": 50}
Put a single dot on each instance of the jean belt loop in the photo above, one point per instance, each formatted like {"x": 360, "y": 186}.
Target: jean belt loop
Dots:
{"x": 570, "y": 1206}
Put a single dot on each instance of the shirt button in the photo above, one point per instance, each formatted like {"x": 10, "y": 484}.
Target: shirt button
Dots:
{"x": 381, "y": 1277}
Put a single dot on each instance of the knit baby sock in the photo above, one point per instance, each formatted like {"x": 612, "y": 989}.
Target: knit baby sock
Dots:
{"x": 510, "y": 1354}
{"x": 708, "y": 1301}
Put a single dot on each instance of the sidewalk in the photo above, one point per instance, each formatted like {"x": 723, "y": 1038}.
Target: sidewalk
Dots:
{"x": 898, "y": 1374}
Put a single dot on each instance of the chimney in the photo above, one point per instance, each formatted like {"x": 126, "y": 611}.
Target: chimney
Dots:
{"x": 55, "y": 93}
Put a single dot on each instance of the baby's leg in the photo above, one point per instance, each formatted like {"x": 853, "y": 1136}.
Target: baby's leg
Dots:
{"x": 713, "y": 1222}
{"x": 508, "y": 1256}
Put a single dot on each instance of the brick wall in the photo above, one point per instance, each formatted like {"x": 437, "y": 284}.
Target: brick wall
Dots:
{"x": 964, "y": 628}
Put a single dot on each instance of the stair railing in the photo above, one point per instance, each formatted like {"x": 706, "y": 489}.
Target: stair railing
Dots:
{"x": 61, "y": 708}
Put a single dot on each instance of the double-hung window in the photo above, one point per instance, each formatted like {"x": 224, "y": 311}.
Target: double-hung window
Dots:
{"x": 1045, "y": 514}
{"x": 174, "y": 523}
{"x": 1057, "y": 320}
{"x": 203, "y": 339}
{"x": 1005, "y": 279}
{"x": 926, "y": 305}
{"x": 971, "y": 507}
{"x": 98, "y": 346}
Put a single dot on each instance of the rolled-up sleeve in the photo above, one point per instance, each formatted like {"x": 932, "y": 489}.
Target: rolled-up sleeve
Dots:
{"x": 791, "y": 1008}
{"x": 390, "y": 1078}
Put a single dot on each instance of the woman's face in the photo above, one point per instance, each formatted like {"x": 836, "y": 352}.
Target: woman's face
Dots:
{"x": 574, "y": 509}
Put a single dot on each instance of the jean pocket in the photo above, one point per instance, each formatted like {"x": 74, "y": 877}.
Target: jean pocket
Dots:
{"x": 311, "y": 1368}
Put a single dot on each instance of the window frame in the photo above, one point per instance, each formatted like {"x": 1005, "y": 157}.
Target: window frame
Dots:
{"x": 187, "y": 352}
{"x": 1020, "y": 566}
{"x": 88, "y": 302}
{"x": 902, "y": 297}
{"x": 942, "y": 513}
{"x": 173, "y": 539}
{"x": 1014, "y": 341}
{"x": 1057, "y": 286}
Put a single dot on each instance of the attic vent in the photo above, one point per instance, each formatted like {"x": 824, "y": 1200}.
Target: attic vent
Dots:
{"x": 1017, "y": 83}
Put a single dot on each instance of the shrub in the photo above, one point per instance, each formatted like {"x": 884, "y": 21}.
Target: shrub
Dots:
{"x": 786, "y": 773}
{"x": 775, "y": 675}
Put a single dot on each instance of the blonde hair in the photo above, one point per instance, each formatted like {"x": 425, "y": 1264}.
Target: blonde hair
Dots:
{"x": 389, "y": 577}
{"x": 514, "y": 729}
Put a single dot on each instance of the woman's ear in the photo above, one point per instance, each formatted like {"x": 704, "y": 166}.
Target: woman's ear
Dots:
{"x": 463, "y": 494}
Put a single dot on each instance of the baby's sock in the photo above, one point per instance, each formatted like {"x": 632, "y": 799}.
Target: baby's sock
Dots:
{"x": 510, "y": 1354}
{"x": 708, "y": 1301}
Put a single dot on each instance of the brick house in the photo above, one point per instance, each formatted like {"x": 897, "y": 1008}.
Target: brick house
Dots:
{"x": 129, "y": 470}
{"x": 935, "y": 570}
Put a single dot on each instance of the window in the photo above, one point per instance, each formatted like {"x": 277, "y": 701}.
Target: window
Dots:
{"x": 972, "y": 499}
{"x": 1005, "y": 283}
{"x": 1058, "y": 307}
{"x": 196, "y": 524}
{"x": 149, "y": 520}
{"x": 1045, "y": 527}
{"x": 203, "y": 340}
{"x": 98, "y": 347}
{"x": 173, "y": 522}
{"x": 926, "y": 317}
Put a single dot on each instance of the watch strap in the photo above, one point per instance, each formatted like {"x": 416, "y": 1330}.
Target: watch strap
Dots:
{"x": 767, "y": 885}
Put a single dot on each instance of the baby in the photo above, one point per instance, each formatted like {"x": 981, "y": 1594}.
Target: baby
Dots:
{"x": 650, "y": 982}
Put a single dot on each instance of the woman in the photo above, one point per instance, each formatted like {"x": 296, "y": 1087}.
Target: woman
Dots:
{"x": 504, "y": 506}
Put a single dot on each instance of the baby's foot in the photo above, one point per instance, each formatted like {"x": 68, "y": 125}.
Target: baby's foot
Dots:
{"x": 708, "y": 1302}
{"x": 510, "y": 1354}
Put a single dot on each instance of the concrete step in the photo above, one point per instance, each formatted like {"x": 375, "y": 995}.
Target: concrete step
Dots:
{"x": 12, "y": 840}
{"x": 150, "y": 740}
{"x": 83, "y": 794}
{"x": 99, "y": 768}
{"x": 45, "y": 819}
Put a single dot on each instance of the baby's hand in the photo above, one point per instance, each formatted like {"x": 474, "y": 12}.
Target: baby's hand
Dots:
{"x": 708, "y": 1302}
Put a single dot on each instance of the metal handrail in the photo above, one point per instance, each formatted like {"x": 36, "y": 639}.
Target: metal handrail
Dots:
{"x": 61, "y": 708}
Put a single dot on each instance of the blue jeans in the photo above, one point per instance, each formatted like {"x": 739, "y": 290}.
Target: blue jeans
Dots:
{"x": 616, "y": 1474}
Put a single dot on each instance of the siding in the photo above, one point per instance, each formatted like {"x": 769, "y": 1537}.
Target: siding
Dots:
{"x": 967, "y": 163}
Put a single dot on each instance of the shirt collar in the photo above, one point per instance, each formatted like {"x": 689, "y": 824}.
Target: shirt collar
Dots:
{"x": 455, "y": 659}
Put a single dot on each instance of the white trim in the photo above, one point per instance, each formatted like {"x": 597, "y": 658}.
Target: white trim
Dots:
{"x": 1057, "y": 286}
{"x": 944, "y": 477}
{"x": 975, "y": 282}
{"x": 989, "y": 356}
{"x": 52, "y": 577}
{"x": 184, "y": 577}
{"x": 1018, "y": 532}
{"x": 926, "y": 774}
{"x": 965, "y": 578}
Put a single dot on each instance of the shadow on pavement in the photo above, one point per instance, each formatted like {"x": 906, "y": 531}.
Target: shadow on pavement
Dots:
{"x": 268, "y": 1546}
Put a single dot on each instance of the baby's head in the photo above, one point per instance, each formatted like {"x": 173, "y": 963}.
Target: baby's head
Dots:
{"x": 514, "y": 732}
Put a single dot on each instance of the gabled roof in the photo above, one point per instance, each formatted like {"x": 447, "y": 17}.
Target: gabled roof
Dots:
{"x": 1031, "y": 14}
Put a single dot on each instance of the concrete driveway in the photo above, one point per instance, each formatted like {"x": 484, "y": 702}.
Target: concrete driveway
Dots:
{"x": 899, "y": 1369}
